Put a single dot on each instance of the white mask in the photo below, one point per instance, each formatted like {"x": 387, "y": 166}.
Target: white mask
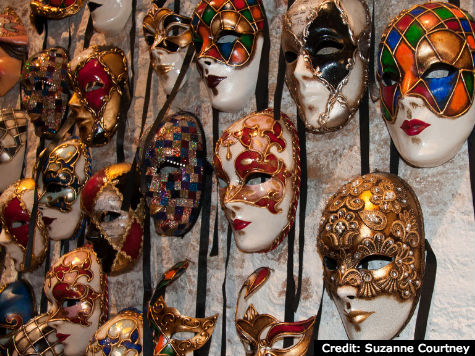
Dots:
{"x": 110, "y": 16}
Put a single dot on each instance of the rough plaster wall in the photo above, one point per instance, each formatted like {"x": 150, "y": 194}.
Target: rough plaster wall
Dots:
{"x": 444, "y": 193}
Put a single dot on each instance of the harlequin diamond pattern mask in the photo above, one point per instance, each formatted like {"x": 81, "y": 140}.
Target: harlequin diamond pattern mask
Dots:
{"x": 45, "y": 90}
{"x": 426, "y": 75}
{"x": 174, "y": 174}
{"x": 371, "y": 241}
{"x": 56, "y": 9}
{"x": 257, "y": 162}
{"x": 13, "y": 127}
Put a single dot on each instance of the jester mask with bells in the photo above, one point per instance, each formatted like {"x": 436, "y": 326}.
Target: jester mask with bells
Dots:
{"x": 121, "y": 335}
{"x": 166, "y": 322}
{"x": 101, "y": 93}
{"x": 13, "y": 49}
{"x": 257, "y": 162}
{"x": 426, "y": 74}
{"x": 261, "y": 333}
{"x": 16, "y": 204}
{"x": 168, "y": 36}
{"x": 371, "y": 241}
{"x": 56, "y": 9}
{"x": 76, "y": 287}
{"x": 228, "y": 37}
{"x": 117, "y": 235}
{"x": 174, "y": 174}
{"x": 17, "y": 306}
{"x": 63, "y": 175}
{"x": 325, "y": 43}
{"x": 45, "y": 90}
{"x": 110, "y": 16}
{"x": 13, "y": 133}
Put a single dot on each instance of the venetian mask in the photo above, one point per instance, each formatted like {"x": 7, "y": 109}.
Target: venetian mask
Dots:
{"x": 110, "y": 16}
{"x": 257, "y": 163}
{"x": 260, "y": 334}
{"x": 45, "y": 90}
{"x": 63, "y": 176}
{"x": 426, "y": 75}
{"x": 168, "y": 323}
{"x": 116, "y": 234}
{"x": 36, "y": 338}
{"x": 174, "y": 174}
{"x": 228, "y": 37}
{"x": 76, "y": 287}
{"x": 16, "y": 204}
{"x": 56, "y": 9}
{"x": 101, "y": 93}
{"x": 168, "y": 36}
{"x": 326, "y": 50}
{"x": 371, "y": 241}
{"x": 13, "y": 133}
{"x": 17, "y": 306}
{"x": 13, "y": 49}
{"x": 121, "y": 335}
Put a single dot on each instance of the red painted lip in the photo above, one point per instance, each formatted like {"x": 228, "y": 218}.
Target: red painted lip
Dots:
{"x": 413, "y": 127}
{"x": 240, "y": 224}
{"x": 62, "y": 337}
{"x": 48, "y": 221}
{"x": 213, "y": 80}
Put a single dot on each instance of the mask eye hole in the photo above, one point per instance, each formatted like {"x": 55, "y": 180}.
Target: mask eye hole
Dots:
{"x": 54, "y": 188}
{"x": 222, "y": 183}
{"x": 374, "y": 262}
{"x": 257, "y": 178}
{"x": 227, "y": 37}
{"x": 168, "y": 171}
{"x": 68, "y": 303}
{"x": 183, "y": 335}
{"x": 109, "y": 216}
{"x": 290, "y": 56}
{"x": 330, "y": 263}
{"x": 149, "y": 38}
{"x": 17, "y": 224}
{"x": 327, "y": 47}
{"x": 390, "y": 79}
{"x": 439, "y": 70}
{"x": 176, "y": 30}
{"x": 91, "y": 86}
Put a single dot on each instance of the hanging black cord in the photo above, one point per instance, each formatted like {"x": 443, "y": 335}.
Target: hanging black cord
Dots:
{"x": 262, "y": 86}
{"x": 455, "y": 2}
{"x": 45, "y": 39}
{"x": 316, "y": 328}
{"x": 147, "y": 286}
{"x": 215, "y": 247}
{"x": 43, "y": 299}
{"x": 223, "y": 290}
{"x": 88, "y": 33}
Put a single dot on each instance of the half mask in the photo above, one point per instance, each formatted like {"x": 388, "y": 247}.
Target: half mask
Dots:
{"x": 110, "y": 16}
{"x": 45, "y": 90}
{"x": 426, "y": 76}
{"x": 101, "y": 93}
{"x": 63, "y": 175}
{"x": 13, "y": 134}
{"x": 174, "y": 174}
{"x": 326, "y": 50}
{"x": 166, "y": 322}
{"x": 17, "y": 306}
{"x": 168, "y": 36}
{"x": 76, "y": 287}
{"x": 121, "y": 335}
{"x": 116, "y": 234}
{"x": 228, "y": 36}
{"x": 260, "y": 334}
{"x": 56, "y": 9}
{"x": 13, "y": 49}
{"x": 257, "y": 163}
{"x": 371, "y": 241}
{"x": 16, "y": 204}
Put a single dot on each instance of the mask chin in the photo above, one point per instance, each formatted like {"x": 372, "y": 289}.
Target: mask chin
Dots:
{"x": 168, "y": 67}
{"x": 111, "y": 16}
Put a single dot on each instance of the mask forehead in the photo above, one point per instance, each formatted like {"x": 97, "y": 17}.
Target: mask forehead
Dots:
{"x": 416, "y": 40}
{"x": 13, "y": 128}
{"x": 56, "y": 9}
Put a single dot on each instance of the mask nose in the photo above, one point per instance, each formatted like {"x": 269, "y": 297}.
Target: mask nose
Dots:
{"x": 301, "y": 72}
{"x": 346, "y": 293}
{"x": 74, "y": 102}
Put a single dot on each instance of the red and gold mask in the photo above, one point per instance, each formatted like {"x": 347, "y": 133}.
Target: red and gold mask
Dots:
{"x": 56, "y": 9}
{"x": 257, "y": 163}
{"x": 260, "y": 332}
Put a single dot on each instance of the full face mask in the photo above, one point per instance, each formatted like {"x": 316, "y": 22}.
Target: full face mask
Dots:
{"x": 121, "y": 335}
{"x": 110, "y": 16}
{"x": 56, "y": 9}
{"x": 16, "y": 204}
{"x": 228, "y": 37}
{"x": 17, "y": 306}
{"x": 63, "y": 175}
{"x": 117, "y": 235}
{"x": 371, "y": 241}
{"x": 260, "y": 334}
{"x": 426, "y": 75}
{"x": 326, "y": 43}
{"x": 257, "y": 162}
{"x": 13, "y": 49}
{"x": 174, "y": 174}
{"x": 45, "y": 90}
{"x": 101, "y": 93}
{"x": 166, "y": 321}
{"x": 76, "y": 287}
{"x": 13, "y": 133}
{"x": 168, "y": 36}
